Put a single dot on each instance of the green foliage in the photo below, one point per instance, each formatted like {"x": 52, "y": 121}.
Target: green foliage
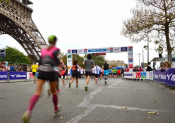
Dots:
{"x": 7, "y": 1}
{"x": 126, "y": 65}
{"x": 153, "y": 20}
{"x": 15, "y": 56}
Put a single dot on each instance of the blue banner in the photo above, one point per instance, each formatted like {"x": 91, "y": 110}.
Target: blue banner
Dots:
{"x": 166, "y": 76}
{"x": 3, "y": 76}
{"x": 170, "y": 77}
{"x": 17, "y": 75}
{"x": 97, "y": 50}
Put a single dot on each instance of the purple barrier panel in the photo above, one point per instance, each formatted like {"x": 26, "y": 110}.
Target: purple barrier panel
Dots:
{"x": 156, "y": 75}
{"x": 3, "y": 76}
{"x": 17, "y": 75}
{"x": 162, "y": 76}
{"x": 170, "y": 77}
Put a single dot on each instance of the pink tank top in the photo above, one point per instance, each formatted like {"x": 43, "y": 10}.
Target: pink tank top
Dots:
{"x": 45, "y": 52}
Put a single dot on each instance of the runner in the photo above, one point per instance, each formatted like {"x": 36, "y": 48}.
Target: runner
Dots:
{"x": 96, "y": 72}
{"x": 74, "y": 73}
{"x": 89, "y": 63}
{"x": 81, "y": 72}
{"x": 119, "y": 73}
{"x": 106, "y": 73}
{"x": 115, "y": 73}
{"x": 34, "y": 68}
{"x": 110, "y": 73}
{"x": 48, "y": 61}
{"x": 64, "y": 73}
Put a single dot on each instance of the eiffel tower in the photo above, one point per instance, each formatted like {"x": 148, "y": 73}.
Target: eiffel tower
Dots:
{"x": 16, "y": 21}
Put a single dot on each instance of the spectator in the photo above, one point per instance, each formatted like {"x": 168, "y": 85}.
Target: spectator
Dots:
{"x": 149, "y": 67}
{"x": 162, "y": 67}
{"x": 8, "y": 68}
{"x": 167, "y": 65}
{"x": 11, "y": 67}
{"x": 3, "y": 69}
{"x": 139, "y": 69}
{"x": 154, "y": 65}
{"x": 15, "y": 67}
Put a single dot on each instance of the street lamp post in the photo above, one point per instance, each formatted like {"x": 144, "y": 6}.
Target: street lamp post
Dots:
{"x": 139, "y": 58}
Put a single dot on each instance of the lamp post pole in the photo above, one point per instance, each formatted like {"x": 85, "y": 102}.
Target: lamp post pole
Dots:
{"x": 148, "y": 51}
{"x": 139, "y": 58}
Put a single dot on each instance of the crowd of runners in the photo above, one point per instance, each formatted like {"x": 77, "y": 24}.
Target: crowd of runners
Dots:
{"x": 51, "y": 69}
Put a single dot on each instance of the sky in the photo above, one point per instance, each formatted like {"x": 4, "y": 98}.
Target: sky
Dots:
{"x": 80, "y": 24}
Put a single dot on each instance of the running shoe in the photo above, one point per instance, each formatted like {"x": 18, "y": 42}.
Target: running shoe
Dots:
{"x": 59, "y": 90}
{"x": 55, "y": 113}
{"x": 105, "y": 82}
{"x": 48, "y": 91}
{"x": 77, "y": 86}
{"x": 26, "y": 117}
{"x": 86, "y": 88}
{"x": 69, "y": 85}
{"x": 59, "y": 108}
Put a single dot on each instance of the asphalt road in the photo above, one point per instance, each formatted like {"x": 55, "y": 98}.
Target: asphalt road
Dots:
{"x": 120, "y": 101}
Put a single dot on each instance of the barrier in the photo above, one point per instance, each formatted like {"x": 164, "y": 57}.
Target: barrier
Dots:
{"x": 139, "y": 75}
{"x": 3, "y": 75}
{"x": 167, "y": 76}
{"x": 16, "y": 76}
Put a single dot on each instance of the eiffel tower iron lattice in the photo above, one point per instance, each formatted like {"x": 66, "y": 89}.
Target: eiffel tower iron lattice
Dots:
{"x": 16, "y": 21}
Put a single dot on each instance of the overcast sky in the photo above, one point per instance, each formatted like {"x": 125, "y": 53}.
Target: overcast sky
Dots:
{"x": 84, "y": 24}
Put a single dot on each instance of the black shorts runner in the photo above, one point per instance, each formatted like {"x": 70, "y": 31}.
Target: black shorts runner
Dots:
{"x": 50, "y": 76}
{"x": 75, "y": 74}
{"x": 33, "y": 73}
{"x": 96, "y": 75}
{"x": 88, "y": 73}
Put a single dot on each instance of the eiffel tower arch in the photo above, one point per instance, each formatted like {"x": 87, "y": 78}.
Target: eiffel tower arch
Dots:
{"x": 16, "y": 21}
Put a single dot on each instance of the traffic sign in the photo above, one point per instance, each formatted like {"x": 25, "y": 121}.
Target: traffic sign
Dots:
{"x": 2, "y": 53}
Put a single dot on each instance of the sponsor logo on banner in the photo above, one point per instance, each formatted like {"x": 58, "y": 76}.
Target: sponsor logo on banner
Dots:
{"x": 130, "y": 59}
{"x": 96, "y": 50}
{"x": 69, "y": 51}
{"x": 130, "y": 48}
{"x": 143, "y": 75}
{"x": 108, "y": 49}
{"x": 3, "y": 76}
{"x": 123, "y": 48}
{"x": 74, "y": 51}
{"x": 80, "y": 51}
{"x": 171, "y": 77}
{"x": 29, "y": 75}
{"x": 111, "y": 49}
{"x": 130, "y": 54}
{"x": 138, "y": 75}
{"x": 18, "y": 75}
{"x": 128, "y": 74}
{"x": 85, "y": 50}
{"x": 116, "y": 49}
{"x": 130, "y": 65}
{"x": 69, "y": 56}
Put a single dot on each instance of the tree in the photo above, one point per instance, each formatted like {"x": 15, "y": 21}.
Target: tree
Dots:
{"x": 153, "y": 20}
{"x": 7, "y": 1}
{"x": 15, "y": 56}
{"x": 63, "y": 57}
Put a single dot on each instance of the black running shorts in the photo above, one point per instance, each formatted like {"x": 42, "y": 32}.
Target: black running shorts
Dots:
{"x": 88, "y": 73}
{"x": 50, "y": 76}
{"x": 96, "y": 75}
{"x": 75, "y": 74}
{"x": 33, "y": 73}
